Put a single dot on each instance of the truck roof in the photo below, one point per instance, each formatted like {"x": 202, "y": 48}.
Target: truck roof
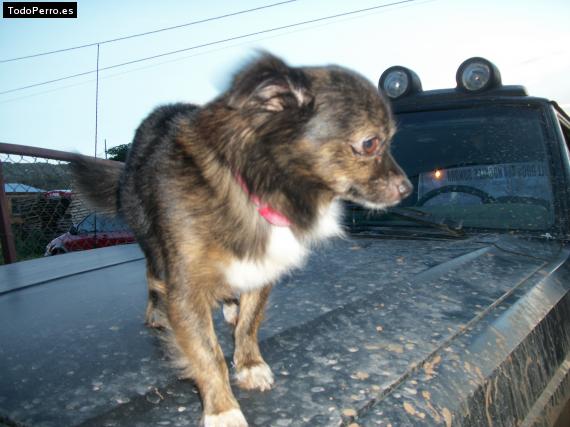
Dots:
{"x": 454, "y": 98}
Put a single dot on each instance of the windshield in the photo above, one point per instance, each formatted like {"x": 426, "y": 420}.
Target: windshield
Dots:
{"x": 480, "y": 167}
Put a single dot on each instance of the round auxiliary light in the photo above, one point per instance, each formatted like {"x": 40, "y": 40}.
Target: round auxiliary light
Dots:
{"x": 397, "y": 82}
{"x": 477, "y": 75}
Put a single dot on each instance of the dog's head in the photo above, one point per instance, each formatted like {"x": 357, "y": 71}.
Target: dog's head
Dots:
{"x": 326, "y": 124}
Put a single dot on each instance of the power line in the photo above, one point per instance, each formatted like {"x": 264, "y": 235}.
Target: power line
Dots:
{"x": 228, "y": 15}
{"x": 209, "y": 44}
{"x": 205, "y": 52}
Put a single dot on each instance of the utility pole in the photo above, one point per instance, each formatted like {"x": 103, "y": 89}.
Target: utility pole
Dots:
{"x": 96, "y": 99}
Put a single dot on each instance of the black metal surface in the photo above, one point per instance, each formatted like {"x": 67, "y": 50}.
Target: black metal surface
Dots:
{"x": 368, "y": 326}
{"x": 453, "y": 98}
{"x": 40, "y": 271}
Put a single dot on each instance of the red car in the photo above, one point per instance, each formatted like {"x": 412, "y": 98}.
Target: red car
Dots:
{"x": 94, "y": 231}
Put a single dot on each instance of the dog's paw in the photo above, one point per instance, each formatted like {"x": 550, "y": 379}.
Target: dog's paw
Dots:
{"x": 257, "y": 377}
{"x": 231, "y": 313}
{"x": 231, "y": 418}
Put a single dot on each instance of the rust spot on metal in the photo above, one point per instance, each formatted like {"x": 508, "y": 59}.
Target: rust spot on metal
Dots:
{"x": 409, "y": 408}
{"x": 360, "y": 375}
{"x": 488, "y": 403}
{"x": 431, "y": 365}
{"x": 396, "y": 348}
{"x": 433, "y": 412}
{"x": 349, "y": 412}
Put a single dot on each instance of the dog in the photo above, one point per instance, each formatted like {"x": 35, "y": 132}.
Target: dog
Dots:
{"x": 226, "y": 198}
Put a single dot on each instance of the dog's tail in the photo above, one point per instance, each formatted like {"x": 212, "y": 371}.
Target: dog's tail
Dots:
{"x": 98, "y": 181}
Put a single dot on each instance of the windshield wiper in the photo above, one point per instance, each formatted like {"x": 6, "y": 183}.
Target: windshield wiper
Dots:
{"x": 425, "y": 218}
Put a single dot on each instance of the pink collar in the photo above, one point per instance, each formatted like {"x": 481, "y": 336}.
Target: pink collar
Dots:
{"x": 272, "y": 216}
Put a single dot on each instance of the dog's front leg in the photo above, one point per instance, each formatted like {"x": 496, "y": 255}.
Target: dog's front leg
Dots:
{"x": 190, "y": 316}
{"x": 251, "y": 370}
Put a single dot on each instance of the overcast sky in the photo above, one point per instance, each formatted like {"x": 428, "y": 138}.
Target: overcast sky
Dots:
{"x": 527, "y": 39}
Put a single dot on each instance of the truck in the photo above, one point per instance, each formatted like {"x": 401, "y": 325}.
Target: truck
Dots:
{"x": 452, "y": 309}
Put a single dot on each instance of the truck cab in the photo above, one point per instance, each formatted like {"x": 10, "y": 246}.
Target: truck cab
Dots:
{"x": 483, "y": 157}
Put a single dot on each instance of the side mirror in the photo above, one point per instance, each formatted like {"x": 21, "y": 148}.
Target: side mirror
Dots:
{"x": 73, "y": 230}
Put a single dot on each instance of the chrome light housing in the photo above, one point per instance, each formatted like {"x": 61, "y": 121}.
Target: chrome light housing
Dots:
{"x": 477, "y": 75}
{"x": 397, "y": 82}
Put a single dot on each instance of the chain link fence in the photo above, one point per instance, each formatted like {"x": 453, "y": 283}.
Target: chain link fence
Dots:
{"x": 46, "y": 213}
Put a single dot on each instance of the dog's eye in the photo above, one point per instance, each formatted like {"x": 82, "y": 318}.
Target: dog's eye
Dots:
{"x": 370, "y": 146}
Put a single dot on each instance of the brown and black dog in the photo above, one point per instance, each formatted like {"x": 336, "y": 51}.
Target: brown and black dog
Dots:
{"x": 226, "y": 198}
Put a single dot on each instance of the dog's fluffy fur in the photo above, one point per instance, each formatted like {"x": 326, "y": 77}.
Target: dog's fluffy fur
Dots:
{"x": 299, "y": 139}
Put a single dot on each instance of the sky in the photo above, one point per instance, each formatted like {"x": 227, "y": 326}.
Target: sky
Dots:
{"x": 528, "y": 40}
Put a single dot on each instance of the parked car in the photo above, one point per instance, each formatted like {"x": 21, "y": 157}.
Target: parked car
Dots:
{"x": 452, "y": 309}
{"x": 94, "y": 231}
{"x": 58, "y": 194}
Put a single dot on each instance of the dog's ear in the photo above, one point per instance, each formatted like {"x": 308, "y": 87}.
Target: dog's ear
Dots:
{"x": 268, "y": 84}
